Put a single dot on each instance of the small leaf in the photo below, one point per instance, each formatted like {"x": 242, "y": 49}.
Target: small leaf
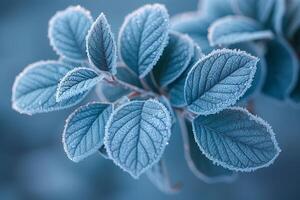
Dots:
{"x": 111, "y": 92}
{"x": 196, "y": 26}
{"x": 143, "y": 37}
{"x": 259, "y": 10}
{"x": 77, "y": 81}
{"x": 101, "y": 46}
{"x": 215, "y": 8}
{"x": 175, "y": 59}
{"x": 201, "y": 167}
{"x": 218, "y": 80}
{"x": 137, "y": 134}
{"x": 235, "y": 29}
{"x": 84, "y": 130}
{"x": 68, "y": 30}
{"x": 35, "y": 88}
{"x": 176, "y": 91}
{"x": 282, "y": 68}
{"x": 159, "y": 176}
{"x": 236, "y": 139}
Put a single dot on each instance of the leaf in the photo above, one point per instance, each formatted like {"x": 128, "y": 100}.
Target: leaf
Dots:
{"x": 143, "y": 37}
{"x": 137, "y": 134}
{"x": 71, "y": 63}
{"x": 215, "y": 8}
{"x": 68, "y": 30}
{"x": 77, "y": 81}
{"x": 176, "y": 91}
{"x": 292, "y": 18}
{"x": 128, "y": 78}
{"x": 200, "y": 166}
{"x": 282, "y": 68}
{"x": 165, "y": 101}
{"x": 101, "y": 46}
{"x": 111, "y": 92}
{"x": 35, "y": 88}
{"x": 218, "y": 80}
{"x": 196, "y": 26}
{"x": 259, "y": 10}
{"x": 235, "y": 29}
{"x": 84, "y": 130}
{"x": 175, "y": 59}
{"x": 236, "y": 139}
{"x": 159, "y": 176}
{"x": 277, "y": 17}
{"x": 150, "y": 83}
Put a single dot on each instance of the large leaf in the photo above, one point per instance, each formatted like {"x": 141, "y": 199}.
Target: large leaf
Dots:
{"x": 175, "y": 59}
{"x": 236, "y": 139}
{"x": 176, "y": 91}
{"x": 77, "y": 81}
{"x": 202, "y": 167}
{"x": 159, "y": 176}
{"x": 101, "y": 46}
{"x": 84, "y": 130}
{"x": 35, "y": 88}
{"x": 282, "y": 69}
{"x": 235, "y": 29}
{"x": 137, "y": 134}
{"x": 143, "y": 37}
{"x": 218, "y": 80}
{"x": 68, "y": 30}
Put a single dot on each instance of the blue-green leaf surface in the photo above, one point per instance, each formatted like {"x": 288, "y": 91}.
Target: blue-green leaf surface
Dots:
{"x": 84, "y": 130}
{"x": 35, "y": 88}
{"x": 77, "y": 81}
{"x": 68, "y": 30}
{"x": 137, "y": 134}
{"x": 101, "y": 46}
{"x": 175, "y": 59}
{"x": 218, "y": 80}
{"x": 143, "y": 37}
{"x": 234, "y": 29}
{"x": 236, "y": 139}
{"x": 215, "y": 8}
{"x": 108, "y": 92}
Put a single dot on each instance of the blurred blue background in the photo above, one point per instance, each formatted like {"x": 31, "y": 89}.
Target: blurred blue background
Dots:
{"x": 34, "y": 166}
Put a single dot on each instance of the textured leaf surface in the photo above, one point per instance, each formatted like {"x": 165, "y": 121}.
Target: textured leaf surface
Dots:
{"x": 175, "y": 59}
{"x": 68, "y": 30}
{"x": 137, "y": 134}
{"x": 77, "y": 81}
{"x": 282, "y": 68}
{"x": 165, "y": 101}
{"x": 35, "y": 88}
{"x": 218, "y": 80}
{"x": 101, "y": 46}
{"x": 84, "y": 130}
{"x": 111, "y": 93}
{"x": 236, "y": 139}
{"x": 202, "y": 167}
{"x": 143, "y": 38}
{"x": 159, "y": 176}
{"x": 176, "y": 91}
{"x": 196, "y": 26}
{"x": 259, "y": 10}
{"x": 235, "y": 29}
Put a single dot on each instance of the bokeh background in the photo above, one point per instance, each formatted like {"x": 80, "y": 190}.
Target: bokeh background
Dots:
{"x": 34, "y": 166}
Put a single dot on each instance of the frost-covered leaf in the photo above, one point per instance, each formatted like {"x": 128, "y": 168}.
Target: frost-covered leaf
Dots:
{"x": 165, "y": 101}
{"x": 101, "y": 46}
{"x": 259, "y": 10}
{"x": 236, "y": 139}
{"x": 176, "y": 91}
{"x": 159, "y": 176}
{"x": 235, "y": 29}
{"x": 174, "y": 60}
{"x": 127, "y": 77}
{"x": 143, "y": 37}
{"x": 35, "y": 88}
{"x": 202, "y": 167}
{"x": 137, "y": 134}
{"x": 218, "y": 80}
{"x": 84, "y": 130}
{"x": 282, "y": 68}
{"x": 215, "y": 8}
{"x": 196, "y": 26}
{"x": 77, "y": 81}
{"x": 68, "y": 30}
{"x": 108, "y": 92}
